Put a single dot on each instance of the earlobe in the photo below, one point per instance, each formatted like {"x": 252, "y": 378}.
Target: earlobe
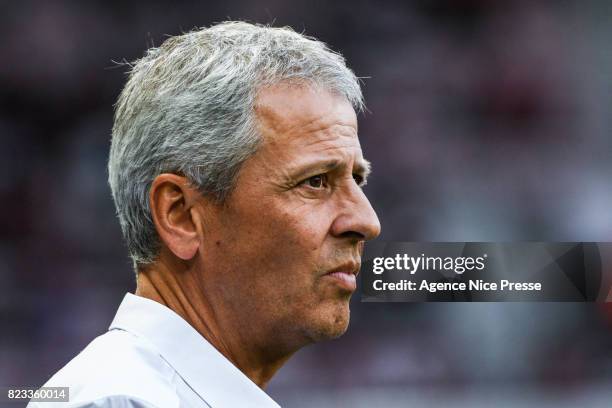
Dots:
{"x": 171, "y": 201}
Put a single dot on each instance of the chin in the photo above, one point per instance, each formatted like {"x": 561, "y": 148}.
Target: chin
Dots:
{"x": 330, "y": 323}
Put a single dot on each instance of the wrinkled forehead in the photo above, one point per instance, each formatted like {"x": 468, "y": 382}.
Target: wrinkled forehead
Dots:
{"x": 306, "y": 129}
{"x": 286, "y": 108}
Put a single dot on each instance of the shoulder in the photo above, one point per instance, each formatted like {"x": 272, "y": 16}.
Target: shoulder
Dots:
{"x": 113, "y": 401}
{"x": 118, "y": 369}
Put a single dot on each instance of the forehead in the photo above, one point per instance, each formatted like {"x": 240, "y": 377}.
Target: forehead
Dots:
{"x": 286, "y": 110}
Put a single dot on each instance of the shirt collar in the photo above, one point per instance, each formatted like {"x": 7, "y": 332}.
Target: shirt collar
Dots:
{"x": 199, "y": 363}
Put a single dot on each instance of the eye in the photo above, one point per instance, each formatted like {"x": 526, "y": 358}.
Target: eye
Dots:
{"x": 318, "y": 181}
{"x": 358, "y": 179}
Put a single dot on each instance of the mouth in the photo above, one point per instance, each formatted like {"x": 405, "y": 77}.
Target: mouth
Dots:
{"x": 345, "y": 275}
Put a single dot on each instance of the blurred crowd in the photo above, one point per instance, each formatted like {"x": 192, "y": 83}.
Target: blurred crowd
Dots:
{"x": 486, "y": 121}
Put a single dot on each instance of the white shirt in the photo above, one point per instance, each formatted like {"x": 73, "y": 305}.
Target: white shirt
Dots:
{"x": 151, "y": 357}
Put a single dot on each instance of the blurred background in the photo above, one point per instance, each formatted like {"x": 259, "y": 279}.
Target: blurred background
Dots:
{"x": 488, "y": 121}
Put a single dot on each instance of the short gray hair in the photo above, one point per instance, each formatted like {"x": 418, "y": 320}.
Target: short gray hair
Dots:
{"x": 187, "y": 108}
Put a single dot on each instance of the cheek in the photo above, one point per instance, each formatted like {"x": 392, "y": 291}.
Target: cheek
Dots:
{"x": 295, "y": 240}
{"x": 287, "y": 248}
{"x": 279, "y": 240}
{"x": 307, "y": 229}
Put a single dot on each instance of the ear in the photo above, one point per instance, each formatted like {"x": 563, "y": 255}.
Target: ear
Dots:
{"x": 171, "y": 200}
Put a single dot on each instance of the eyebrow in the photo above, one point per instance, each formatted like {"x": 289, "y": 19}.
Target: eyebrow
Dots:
{"x": 364, "y": 167}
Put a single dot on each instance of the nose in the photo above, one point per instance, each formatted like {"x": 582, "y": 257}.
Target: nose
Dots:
{"x": 356, "y": 218}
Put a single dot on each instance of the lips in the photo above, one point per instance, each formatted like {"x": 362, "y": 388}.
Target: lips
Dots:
{"x": 351, "y": 268}
{"x": 345, "y": 275}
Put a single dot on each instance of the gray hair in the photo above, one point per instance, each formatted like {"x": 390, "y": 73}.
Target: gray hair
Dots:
{"x": 187, "y": 108}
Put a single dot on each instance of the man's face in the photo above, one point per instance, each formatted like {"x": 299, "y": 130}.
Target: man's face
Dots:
{"x": 297, "y": 215}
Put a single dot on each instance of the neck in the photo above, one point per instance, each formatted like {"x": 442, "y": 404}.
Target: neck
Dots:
{"x": 180, "y": 288}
